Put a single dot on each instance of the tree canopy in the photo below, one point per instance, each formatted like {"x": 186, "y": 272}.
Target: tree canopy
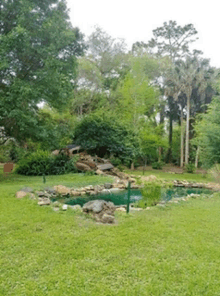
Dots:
{"x": 38, "y": 54}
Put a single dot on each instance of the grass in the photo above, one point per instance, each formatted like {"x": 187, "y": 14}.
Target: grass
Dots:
{"x": 163, "y": 251}
{"x": 170, "y": 176}
{"x": 15, "y": 182}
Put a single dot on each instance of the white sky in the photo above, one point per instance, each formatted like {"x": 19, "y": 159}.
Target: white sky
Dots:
{"x": 135, "y": 20}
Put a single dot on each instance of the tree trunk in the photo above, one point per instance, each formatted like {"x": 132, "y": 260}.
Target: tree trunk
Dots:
{"x": 169, "y": 153}
{"x": 182, "y": 140}
{"x": 187, "y": 131}
{"x": 162, "y": 116}
{"x": 197, "y": 157}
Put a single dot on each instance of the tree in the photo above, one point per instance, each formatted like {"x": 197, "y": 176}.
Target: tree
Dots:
{"x": 103, "y": 135}
{"x": 38, "y": 51}
{"x": 192, "y": 73}
{"x": 207, "y": 129}
{"x": 172, "y": 40}
{"x": 99, "y": 73}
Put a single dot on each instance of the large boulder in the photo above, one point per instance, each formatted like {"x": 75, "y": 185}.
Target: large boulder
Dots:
{"x": 83, "y": 167}
{"x": 63, "y": 190}
{"x": 99, "y": 209}
{"x": 21, "y": 194}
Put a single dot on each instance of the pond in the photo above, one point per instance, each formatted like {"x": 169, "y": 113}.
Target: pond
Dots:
{"x": 120, "y": 198}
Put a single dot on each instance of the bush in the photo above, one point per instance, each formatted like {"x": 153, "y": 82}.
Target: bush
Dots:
{"x": 190, "y": 168}
{"x": 157, "y": 165}
{"x": 42, "y": 162}
{"x": 151, "y": 195}
{"x": 4, "y": 154}
{"x": 17, "y": 153}
{"x": 215, "y": 172}
{"x": 115, "y": 161}
{"x": 106, "y": 136}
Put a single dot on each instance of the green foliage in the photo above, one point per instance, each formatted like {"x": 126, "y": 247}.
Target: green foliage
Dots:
{"x": 157, "y": 165}
{"x": 38, "y": 51}
{"x": 150, "y": 139}
{"x": 151, "y": 194}
{"x": 4, "y": 154}
{"x": 215, "y": 172}
{"x": 207, "y": 129}
{"x": 104, "y": 135}
{"x": 42, "y": 162}
{"x": 89, "y": 173}
{"x": 115, "y": 161}
{"x": 190, "y": 168}
{"x": 17, "y": 153}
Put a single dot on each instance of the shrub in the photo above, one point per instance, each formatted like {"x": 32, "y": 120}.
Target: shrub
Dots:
{"x": 115, "y": 161}
{"x": 151, "y": 194}
{"x": 17, "y": 153}
{"x": 215, "y": 172}
{"x": 157, "y": 165}
{"x": 36, "y": 164}
{"x": 4, "y": 154}
{"x": 190, "y": 168}
{"x": 42, "y": 162}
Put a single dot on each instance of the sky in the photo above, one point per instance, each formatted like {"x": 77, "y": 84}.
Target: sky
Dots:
{"x": 134, "y": 20}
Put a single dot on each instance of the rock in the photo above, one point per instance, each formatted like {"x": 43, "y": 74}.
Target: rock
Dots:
{"x": 91, "y": 164}
{"x": 107, "y": 219}
{"x": 105, "y": 166}
{"x": 21, "y": 194}
{"x": 74, "y": 193}
{"x": 106, "y": 191}
{"x": 77, "y": 208}
{"x": 50, "y": 190}
{"x": 98, "y": 208}
{"x": 121, "y": 209}
{"x": 83, "y": 167}
{"x": 27, "y": 189}
{"x": 147, "y": 208}
{"x": 90, "y": 187}
{"x": 136, "y": 209}
{"x": 132, "y": 180}
{"x": 108, "y": 185}
{"x": 95, "y": 206}
{"x": 44, "y": 202}
{"x": 40, "y": 193}
{"x": 83, "y": 193}
{"x": 114, "y": 190}
{"x": 150, "y": 178}
{"x": 99, "y": 172}
{"x": 64, "y": 207}
{"x": 63, "y": 190}
{"x": 135, "y": 186}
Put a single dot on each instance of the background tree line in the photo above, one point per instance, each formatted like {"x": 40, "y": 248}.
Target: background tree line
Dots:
{"x": 156, "y": 102}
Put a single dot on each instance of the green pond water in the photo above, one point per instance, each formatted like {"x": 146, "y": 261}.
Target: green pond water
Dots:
{"x": 120, "y": 198}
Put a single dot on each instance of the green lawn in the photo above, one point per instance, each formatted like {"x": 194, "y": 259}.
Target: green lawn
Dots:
{"x": 171, "y": 176}
{"x": 171, "y": 251}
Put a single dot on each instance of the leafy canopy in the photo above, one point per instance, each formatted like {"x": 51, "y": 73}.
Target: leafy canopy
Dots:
{"x": 38, "y": 50}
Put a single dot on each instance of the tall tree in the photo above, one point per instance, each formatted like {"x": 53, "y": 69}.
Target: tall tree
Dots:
{"x": 38, "y": 51}
{"x": 173, "y": 41}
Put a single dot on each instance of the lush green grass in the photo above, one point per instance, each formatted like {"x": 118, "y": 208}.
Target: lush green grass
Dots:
{"x": 171, "y": 176}
{"x": 15, "y": 182}
{"x": 172, "y": 251}
{"x": 163, "y": 251}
